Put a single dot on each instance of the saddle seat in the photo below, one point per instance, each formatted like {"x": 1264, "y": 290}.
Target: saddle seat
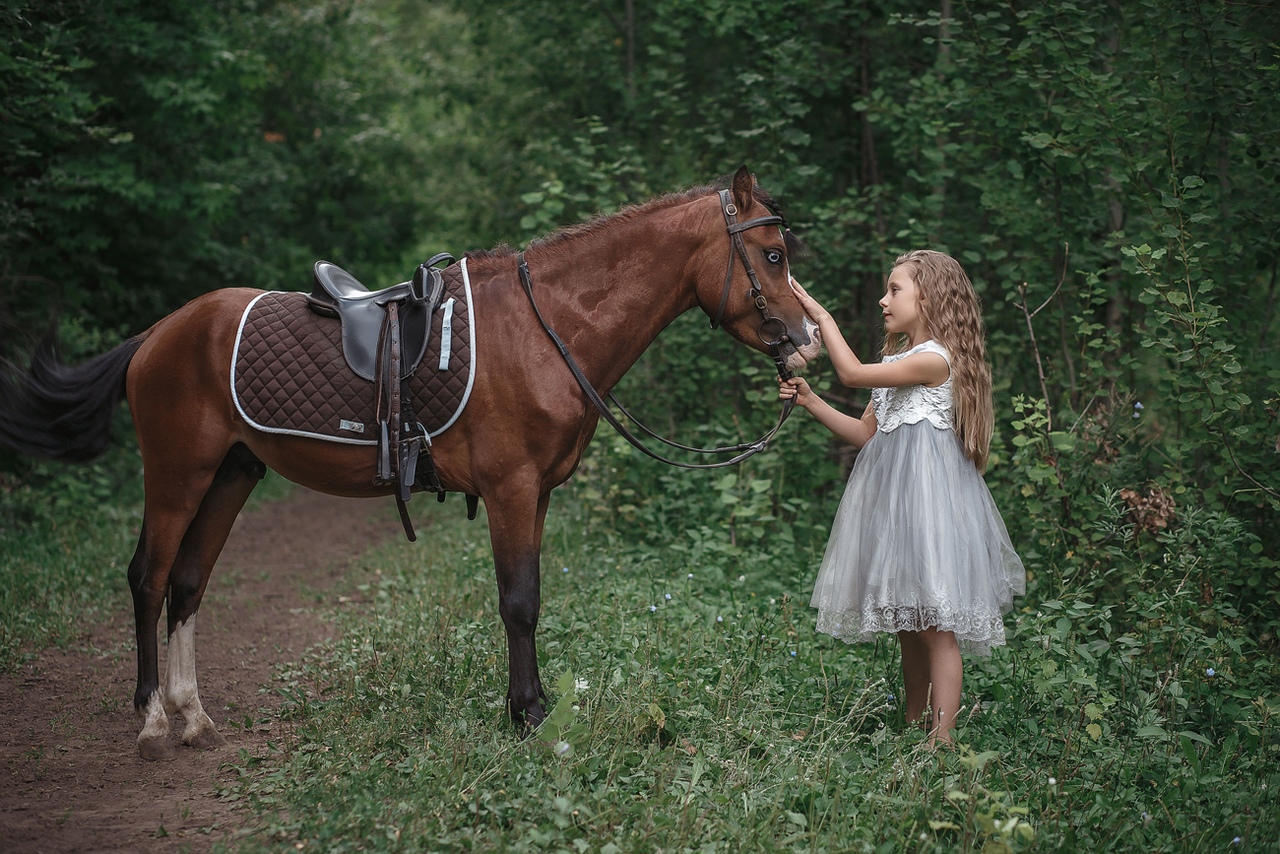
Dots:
{"x": 362, "y": 313}
{"x": 335, "y": 283}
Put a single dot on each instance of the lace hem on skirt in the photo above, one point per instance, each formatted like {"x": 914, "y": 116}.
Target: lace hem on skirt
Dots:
{"x": 976, "y": 632}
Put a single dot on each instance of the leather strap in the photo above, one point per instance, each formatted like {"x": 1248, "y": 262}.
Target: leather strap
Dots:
{"x": 735, "y": 229}
{"x": 394, "y": 386}
{"x": 405, "y": 521}
{"x": 741, "y": 451}
{"x": 384, "y": 473}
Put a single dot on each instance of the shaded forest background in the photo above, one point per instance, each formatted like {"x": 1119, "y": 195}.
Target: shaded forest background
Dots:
{"x": 1108, "y": 173}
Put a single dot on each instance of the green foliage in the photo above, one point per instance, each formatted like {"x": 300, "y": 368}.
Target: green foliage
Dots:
{"x": 1044, "y": 146}
{"x": 67, "y": 532}
{"x": 67, "y": 542}
{"x": 696, "y": 710}
{"x": 1105, "y": 172}
{"x": 1207, "y": 386}
{"x": 156, "y": 150}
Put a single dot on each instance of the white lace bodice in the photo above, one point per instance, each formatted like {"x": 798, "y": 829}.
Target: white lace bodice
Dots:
{"x": 914, "y": 403}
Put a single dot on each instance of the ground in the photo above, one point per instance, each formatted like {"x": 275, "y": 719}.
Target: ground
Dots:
{"x": 72, "y": 779}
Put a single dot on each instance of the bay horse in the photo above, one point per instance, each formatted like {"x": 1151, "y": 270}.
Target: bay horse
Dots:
{"x": 605, "y": 289}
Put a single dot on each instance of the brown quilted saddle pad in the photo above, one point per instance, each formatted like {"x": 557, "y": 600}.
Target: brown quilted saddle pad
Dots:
{"x": 288, "y": 374}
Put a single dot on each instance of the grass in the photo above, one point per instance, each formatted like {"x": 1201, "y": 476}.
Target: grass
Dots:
{"x": 716, "y": 720}
{"x": 694, "y": 708}
{"x": 65, "y": 545}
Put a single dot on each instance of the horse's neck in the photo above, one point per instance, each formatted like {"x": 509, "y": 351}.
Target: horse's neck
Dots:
{"x": 608, "y": 294}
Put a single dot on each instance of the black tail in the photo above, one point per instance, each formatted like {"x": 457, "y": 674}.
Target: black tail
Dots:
{"x": 63, "y": 412}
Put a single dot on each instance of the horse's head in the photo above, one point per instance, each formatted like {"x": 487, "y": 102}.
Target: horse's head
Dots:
{"x": 754, "y": 302}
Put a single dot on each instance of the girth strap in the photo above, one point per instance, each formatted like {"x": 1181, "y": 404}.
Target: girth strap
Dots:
{"x": 403, "y": 443}
{"x": 388, "y": 342}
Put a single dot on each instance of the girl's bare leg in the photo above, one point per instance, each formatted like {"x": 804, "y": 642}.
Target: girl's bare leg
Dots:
{"x": 946, "y": 677}
{"x": 915, "y": 676}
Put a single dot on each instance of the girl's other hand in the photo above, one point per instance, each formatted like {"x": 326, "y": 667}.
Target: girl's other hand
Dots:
{"x": 810, "y": 305}
{"x": 798, "y": 390}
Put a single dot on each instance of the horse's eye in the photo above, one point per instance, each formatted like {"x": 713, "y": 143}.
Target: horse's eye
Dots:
{"x": 773, "y": 256}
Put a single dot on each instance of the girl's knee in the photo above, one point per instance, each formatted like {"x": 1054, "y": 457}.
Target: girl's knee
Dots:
{"x": 939, "y": 641}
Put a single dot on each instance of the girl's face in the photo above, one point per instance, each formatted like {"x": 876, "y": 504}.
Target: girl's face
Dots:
{"x": 901, "y": 306}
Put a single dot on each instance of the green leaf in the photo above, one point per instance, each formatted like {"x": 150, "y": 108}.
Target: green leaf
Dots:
{"x": 1062, "y": 441}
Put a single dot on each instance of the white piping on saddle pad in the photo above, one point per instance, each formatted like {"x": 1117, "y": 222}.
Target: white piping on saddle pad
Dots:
{"x": 475, "y": 349}
{"x": 446, "y": 335}
{"x": 235, "y": 394}
{"x": 446, "y": 343}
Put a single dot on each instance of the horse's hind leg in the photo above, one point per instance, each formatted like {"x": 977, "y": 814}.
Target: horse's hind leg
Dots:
{"x": 163, "y": 526}
{"x": 203, "y": 542}
{"x": 180, "y": 538}
{"x": 153, "y": 740}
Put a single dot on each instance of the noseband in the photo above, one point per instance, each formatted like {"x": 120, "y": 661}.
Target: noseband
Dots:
{"x": 772, "y": 331}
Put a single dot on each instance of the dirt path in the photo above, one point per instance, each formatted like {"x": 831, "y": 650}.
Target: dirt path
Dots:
{"x": 71, "y": 778}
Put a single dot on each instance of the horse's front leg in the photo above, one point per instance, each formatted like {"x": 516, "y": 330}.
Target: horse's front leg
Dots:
{"x": 515, "y": 530}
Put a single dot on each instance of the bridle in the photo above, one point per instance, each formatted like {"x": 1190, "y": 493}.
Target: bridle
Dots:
{"x": 772, "y": 331}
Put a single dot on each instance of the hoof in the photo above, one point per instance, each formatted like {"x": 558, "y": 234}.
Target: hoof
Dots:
{"x": 157, "y": 750}
{"x": 528, "y": 719}
{"x": 206, "y": 739}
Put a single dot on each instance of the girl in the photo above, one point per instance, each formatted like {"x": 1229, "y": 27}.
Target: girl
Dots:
{"x": 917, "y": 547}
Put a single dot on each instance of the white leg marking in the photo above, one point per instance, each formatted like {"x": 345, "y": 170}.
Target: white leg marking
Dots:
{"x": 181, "y": 695}
{"x": 155, "y": 725}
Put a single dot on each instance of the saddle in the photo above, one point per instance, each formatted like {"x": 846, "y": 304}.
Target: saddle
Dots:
{"x": 384, "y": 337}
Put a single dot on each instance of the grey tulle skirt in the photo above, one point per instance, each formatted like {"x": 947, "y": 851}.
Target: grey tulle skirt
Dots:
{"x": 917, "y": 543}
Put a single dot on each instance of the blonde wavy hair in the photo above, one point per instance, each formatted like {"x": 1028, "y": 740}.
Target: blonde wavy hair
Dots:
{"x": 951, "y": 313}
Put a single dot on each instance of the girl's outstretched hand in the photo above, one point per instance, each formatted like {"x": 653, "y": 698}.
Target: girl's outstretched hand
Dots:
{"x": 796, "y": 389}
{"x": 810, "y": 305}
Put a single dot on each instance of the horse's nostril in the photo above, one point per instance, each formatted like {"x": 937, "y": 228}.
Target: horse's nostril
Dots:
{"x": 812, "y": 331}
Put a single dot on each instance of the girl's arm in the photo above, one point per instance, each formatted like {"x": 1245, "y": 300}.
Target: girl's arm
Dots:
{"x": 921, "y": 369}
{"x": 855, "y": 431}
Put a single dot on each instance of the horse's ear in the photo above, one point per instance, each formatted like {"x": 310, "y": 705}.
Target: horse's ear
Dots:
{"x": 743, "y": 185}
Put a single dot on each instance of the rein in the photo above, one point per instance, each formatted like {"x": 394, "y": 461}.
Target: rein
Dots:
{"x": 769, "y": 325}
